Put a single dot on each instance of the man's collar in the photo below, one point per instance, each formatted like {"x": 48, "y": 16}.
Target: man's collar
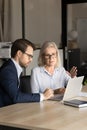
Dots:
{"x": 18, "y": 67}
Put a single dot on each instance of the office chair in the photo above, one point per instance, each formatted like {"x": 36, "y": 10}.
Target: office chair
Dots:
{"x": 25, "y": 84}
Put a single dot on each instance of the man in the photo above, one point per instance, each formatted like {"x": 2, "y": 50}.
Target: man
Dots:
{"x": 10, "y": 93}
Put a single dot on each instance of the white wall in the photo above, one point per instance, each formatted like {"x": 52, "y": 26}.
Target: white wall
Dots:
{"x": 16, "y": 20}
{"x": 43, "y": 20}
{"x": 12, "y": 24}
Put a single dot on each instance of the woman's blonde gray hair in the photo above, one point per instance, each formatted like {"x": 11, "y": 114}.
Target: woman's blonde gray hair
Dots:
{"x": 42, "y": 53}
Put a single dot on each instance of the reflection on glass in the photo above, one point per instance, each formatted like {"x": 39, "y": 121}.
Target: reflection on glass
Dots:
{"x": 77, "y": 21}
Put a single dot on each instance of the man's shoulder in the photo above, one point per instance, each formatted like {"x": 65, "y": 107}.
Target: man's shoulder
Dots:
{"x": 7, "y": 64}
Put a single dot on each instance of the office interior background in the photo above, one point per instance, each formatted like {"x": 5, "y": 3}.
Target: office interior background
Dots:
{"x": 42, "y": 20}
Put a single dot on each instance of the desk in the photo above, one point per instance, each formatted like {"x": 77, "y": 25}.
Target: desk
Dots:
{"x": 47, "y": 115}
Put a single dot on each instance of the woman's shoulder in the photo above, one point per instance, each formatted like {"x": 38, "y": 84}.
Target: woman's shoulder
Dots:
{"x": 38, "y": 68}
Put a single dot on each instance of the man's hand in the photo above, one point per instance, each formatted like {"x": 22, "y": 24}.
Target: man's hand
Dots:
{"x": 48, "y": 93}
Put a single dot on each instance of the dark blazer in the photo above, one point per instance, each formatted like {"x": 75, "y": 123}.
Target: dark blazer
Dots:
{"x": 9, "y": 91}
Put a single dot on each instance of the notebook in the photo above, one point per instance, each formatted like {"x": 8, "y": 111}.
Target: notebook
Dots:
{"x": 72, "y": 93}
{"x": 76, "y": 103}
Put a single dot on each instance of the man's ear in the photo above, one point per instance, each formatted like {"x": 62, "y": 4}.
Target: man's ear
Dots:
{"x": 19, "y": 53}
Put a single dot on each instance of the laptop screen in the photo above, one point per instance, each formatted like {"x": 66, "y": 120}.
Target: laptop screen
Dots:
{"x": 73, "y": 88}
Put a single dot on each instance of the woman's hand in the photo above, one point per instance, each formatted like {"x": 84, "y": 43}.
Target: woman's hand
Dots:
{"x": 73, "y": 72}
{"x": 59, "y": 91}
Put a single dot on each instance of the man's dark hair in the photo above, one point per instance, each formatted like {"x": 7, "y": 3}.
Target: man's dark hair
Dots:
{"x": 20, "y": 44}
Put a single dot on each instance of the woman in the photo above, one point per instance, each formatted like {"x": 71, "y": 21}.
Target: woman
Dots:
{"x": 49, "y": 73}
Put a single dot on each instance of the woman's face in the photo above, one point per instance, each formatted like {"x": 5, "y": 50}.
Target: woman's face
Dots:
{"x": 50, "y": 56}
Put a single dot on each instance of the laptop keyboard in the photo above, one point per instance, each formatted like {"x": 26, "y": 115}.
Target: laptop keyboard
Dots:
{"x": 57, "y": 97}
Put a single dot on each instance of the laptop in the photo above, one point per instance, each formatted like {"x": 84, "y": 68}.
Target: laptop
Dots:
{"x": 72, "y": 91}
{"x": 73, "y": 88}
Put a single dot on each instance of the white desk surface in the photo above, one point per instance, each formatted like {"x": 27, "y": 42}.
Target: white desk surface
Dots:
{"x": 47, "y": 115}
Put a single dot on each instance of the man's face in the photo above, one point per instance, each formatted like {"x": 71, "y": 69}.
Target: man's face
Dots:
{"x": 26, "y": 58}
